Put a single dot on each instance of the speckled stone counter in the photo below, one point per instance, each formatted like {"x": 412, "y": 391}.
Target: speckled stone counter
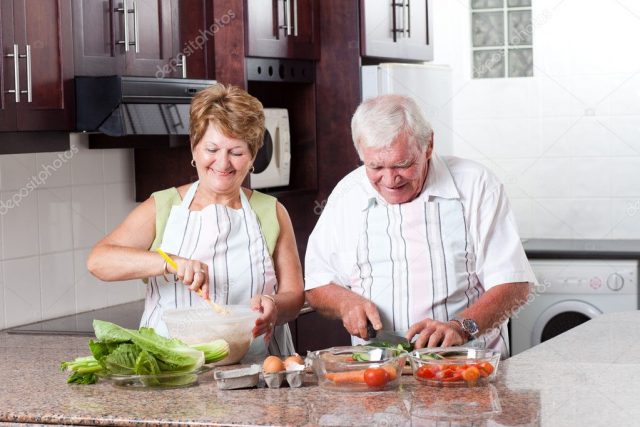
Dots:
{"x": 587, "y": 376}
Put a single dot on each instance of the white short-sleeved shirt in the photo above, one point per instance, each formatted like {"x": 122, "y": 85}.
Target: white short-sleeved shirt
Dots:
{"x": 468, "y": 209}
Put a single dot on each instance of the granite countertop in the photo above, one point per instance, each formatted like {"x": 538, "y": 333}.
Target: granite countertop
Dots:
{"x": 589, "y": 375}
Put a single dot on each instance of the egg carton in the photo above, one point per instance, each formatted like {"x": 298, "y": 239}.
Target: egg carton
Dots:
{"x": 237, "y": 378}
{"x": 294, "y": 376}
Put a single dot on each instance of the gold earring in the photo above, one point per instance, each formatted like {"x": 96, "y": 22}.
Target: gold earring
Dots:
{"x": 193, "y": 162}
{"x": 253, "y": 168}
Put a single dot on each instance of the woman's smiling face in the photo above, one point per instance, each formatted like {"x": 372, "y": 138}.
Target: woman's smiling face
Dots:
{"x": 222, "y": 162}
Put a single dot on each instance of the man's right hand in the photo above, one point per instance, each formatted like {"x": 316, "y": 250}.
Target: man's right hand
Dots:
{"x": 355, "y": 311}
{"x": 337, "y": 302}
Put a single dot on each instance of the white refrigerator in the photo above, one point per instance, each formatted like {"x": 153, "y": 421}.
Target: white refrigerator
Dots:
{"x": 429, "y": 84}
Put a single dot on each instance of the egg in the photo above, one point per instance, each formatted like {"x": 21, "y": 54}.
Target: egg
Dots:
{"x": 272, "y": 364}
{"x": 295, "y": 359}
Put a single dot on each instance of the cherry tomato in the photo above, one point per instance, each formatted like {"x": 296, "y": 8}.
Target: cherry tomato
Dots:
{"x": 376, "y": 377}
{"x": 485, "y": 368}
{"x": 471, "y": 374}
{"x": 425, "y": 372}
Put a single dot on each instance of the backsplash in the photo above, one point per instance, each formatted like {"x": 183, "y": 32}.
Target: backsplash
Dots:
{"x": 565, "y": 142}
{"x": 53, "y": 208}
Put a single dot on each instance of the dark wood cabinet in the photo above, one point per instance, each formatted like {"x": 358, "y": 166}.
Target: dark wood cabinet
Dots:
{"x": 127, "y": 37}
{"x": 39, "y": 33}
{"x": 399, "y": 30}
{"x": 283, "y": 29}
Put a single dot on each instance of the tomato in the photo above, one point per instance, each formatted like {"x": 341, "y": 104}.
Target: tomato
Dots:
{"x": 471, "y": 374}
{"x": 376, "y": 377}
{"x": 486, "y": 368}
{"x": 425, "y": 372}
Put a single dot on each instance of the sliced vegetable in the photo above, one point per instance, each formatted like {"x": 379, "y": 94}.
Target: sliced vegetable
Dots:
{"x": 346, "y": 376}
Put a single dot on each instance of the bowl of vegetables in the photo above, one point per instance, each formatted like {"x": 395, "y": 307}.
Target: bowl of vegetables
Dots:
{"x": 195, "y": 325}
{"x": 358, "y": 368}
{"x": 454, "y": 366}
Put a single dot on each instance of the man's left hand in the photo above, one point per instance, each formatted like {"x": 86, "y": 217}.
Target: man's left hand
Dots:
{"x": 432, "y": 333}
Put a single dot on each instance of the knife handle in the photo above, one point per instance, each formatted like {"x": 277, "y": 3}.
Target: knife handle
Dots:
{"x": 371, "y": 332}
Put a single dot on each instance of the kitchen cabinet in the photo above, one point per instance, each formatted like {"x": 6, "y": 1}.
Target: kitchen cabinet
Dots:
{"x": 36, "y": 76}
{"x": 283, "y": 29}
{"x": 126, "y": 37}
{"x": 398, "y": 29}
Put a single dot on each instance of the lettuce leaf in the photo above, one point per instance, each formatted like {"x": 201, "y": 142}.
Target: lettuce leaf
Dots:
{"x": 171, "y": 354}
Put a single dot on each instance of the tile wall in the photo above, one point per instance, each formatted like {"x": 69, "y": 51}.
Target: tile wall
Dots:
{"x": 566, "y": 142}
{"x": 53, "y": 208}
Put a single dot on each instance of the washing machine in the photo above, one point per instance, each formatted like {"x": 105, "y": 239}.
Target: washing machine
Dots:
{"x": 569, "y": 293}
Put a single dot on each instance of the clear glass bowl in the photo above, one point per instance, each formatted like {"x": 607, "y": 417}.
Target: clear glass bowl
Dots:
{"x": 454, "y": 366}
{"x": 201, "y": 325}
{"x": 163, "y": 380}
{"x": 358, "y": 368}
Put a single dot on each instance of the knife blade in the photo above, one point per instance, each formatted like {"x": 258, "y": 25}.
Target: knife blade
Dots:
{"x": 390, "y": 337}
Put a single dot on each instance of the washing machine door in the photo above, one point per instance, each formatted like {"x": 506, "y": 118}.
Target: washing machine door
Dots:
{"x": 561, "y": 317}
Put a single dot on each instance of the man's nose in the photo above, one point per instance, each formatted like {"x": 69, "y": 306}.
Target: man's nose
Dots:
{"x": 390, "y": 177}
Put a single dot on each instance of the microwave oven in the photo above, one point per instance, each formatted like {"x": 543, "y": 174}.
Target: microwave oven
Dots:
{"x": 273, "y": 161}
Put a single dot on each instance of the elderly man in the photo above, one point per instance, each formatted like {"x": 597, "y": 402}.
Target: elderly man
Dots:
{"x": 416, "y": 243}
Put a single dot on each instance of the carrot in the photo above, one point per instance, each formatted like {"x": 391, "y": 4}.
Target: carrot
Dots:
{"x": 345, "y": 377}
{"x": 356, "y": 376}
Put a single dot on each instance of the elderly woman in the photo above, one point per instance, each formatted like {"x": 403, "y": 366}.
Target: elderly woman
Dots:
{"x": 231, "y": 245}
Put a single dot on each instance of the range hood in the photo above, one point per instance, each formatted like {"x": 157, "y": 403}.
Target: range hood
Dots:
{"x": 121, "y": 106}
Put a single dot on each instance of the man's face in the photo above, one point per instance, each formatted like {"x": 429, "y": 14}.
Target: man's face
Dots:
{"x": 397, "y": 172}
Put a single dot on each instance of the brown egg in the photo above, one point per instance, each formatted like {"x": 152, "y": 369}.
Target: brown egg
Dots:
{"x": 272, "y": 364}
{"x": 295, "y": 359}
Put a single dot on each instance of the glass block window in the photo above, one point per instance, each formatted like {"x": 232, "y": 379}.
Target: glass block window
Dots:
{"x": 501, "y": 38}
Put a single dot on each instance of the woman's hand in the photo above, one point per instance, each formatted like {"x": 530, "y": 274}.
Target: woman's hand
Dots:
{"x": 265, "y": 304}
{"x": 193, "y": 273}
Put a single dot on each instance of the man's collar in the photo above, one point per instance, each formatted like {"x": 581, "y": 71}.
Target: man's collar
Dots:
{"x": 439, "y": 183}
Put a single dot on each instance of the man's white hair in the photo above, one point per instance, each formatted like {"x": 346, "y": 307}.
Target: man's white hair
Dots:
{"x": 378, "y": 121}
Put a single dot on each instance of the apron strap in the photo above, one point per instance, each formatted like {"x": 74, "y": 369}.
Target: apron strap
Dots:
{"x": 188, "y": 197}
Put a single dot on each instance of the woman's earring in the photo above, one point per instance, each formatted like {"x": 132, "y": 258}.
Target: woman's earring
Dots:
{"x": 193, "y": 162}
{"x": 253, "y": 168}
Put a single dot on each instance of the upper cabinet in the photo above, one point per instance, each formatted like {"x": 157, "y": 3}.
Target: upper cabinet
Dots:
{"x": 398, "y": 29}
{"x": 126, "y": 37}
{"x": 283, "y": 29}
{"x": 36, "y": 76}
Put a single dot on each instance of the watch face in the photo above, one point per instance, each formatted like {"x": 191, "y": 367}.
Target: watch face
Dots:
{"x": 470, "y": 326}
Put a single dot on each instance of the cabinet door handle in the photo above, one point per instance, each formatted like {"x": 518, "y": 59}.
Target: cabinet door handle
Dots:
{"x": 16, "y": 73}
{"x": 182, "y": 63}
{"x": 287, "y": 18}
{"x": 295, "y": 18}
{"x": 125, "y": 13}
{"x": 407, "y": 18}
{"x": 136, "y": 27}
{"x": 29, "y": 87}
{"x": 394, "y": 18}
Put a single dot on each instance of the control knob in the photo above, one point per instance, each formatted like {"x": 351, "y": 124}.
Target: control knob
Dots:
{"x": 615, "y": 282}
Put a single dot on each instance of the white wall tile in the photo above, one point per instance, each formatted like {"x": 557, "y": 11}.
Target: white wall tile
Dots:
{"x": 20, "y": 224}
{"x": 590, "y": 218}
{"x": 91, "y": 293}
{"x": 122, "y": 292}
{"x": 119, "y": 202}
{"x": 16, "y": 170}
{"x": 624, "y": 135}
{"x": 625, "y": 99}
{"x": 86, "y": 165}
{"x": 590, "y": 137}
{"x": 625, "y": 218}
{"x": 550, "y": 218}
{"x": 118, "y": 165}
{"x": 625, "y": 177}
{"x": 22, "y": 302}
{"x": 54, "y": 169}
{"x": 54, "y": 219}
{"x": 541, "y": 178}
{"x": 590, "y": 177}
{"x": 522, "y": 210}
{"x": 57, "y": 284}
{"x": 88, "y": 215}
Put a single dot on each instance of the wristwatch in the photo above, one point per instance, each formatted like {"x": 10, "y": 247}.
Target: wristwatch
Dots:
{"x": 469, "y": 327}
